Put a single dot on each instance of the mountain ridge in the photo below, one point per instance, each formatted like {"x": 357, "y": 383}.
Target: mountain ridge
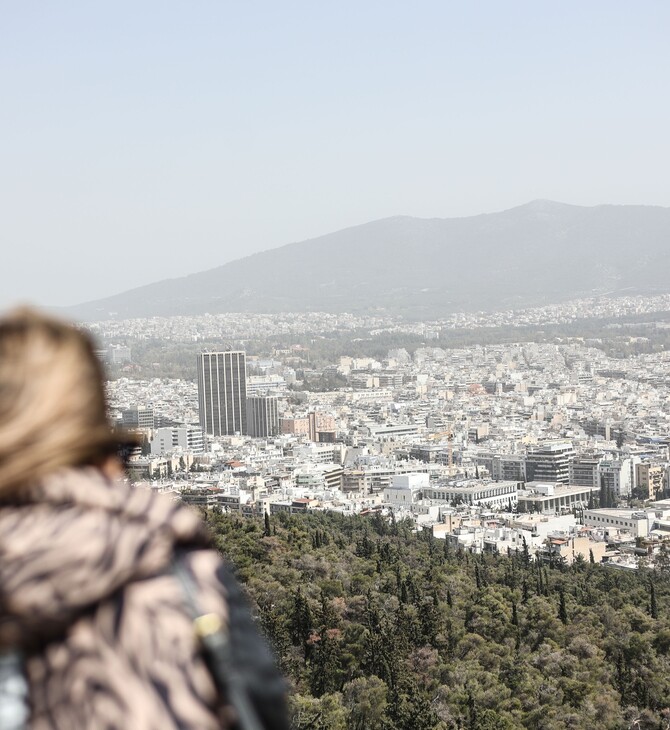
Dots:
{"x": 538, "y": 252}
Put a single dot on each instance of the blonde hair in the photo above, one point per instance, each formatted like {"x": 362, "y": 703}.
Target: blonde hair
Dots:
{"x": 53, "y": 410}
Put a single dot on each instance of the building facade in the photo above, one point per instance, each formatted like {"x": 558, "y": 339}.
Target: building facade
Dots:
{"x": 171, "y": 439}
{"x": 611, "y": 520}
{"x": 550, "y": 462}
{"x": 487, "y": 494}
{"x": 583, "y": 472}
{"x": 137, "y": 417}
{"x": 649, "y": 479}
{"x": 316, "y": 425}
{"x": 222, "y": 393}
{"x": 262, "y": 416}
{"x": 553, "y": 497}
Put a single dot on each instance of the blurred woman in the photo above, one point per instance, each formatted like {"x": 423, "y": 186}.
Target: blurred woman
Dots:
{"x": 89, "y": 594}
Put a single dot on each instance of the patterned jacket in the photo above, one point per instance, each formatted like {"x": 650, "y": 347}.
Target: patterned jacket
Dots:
{"x": 86, "y": 591}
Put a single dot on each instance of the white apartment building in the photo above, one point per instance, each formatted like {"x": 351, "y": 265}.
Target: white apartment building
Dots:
{"x": 405, "y": 489}
{"x": 178, "y": 438}
{"x": 488, "y": 494}
{"x": 627, "y": 520}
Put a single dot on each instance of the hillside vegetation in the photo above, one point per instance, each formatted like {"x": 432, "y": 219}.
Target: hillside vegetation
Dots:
{"x": 377, "y": 627}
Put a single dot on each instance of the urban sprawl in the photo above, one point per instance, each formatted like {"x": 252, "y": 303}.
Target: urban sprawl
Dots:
{"x": 553, "y": 448}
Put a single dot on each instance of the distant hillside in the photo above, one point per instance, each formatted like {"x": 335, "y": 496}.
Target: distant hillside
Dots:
{"x": 538, "y": 253}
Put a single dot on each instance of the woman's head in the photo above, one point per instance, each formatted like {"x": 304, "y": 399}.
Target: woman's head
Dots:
{"x": 52, "y": 400}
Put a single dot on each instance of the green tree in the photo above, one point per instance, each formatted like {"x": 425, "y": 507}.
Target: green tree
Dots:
{"x": 585, "y": 652}
{"x": 562, "y": 609}
{"x": 653, "y": 603}
{"x": 325, "y": 664}
{"x": 301, "y": 619}
{"x": 365, "y": 700}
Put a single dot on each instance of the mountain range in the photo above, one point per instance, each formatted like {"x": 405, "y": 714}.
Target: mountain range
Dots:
{"x": 539, "y": 253}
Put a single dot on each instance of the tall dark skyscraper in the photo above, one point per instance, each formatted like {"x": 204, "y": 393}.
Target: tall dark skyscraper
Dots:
{"x": 222, "y": 392}
{"x": 262, "y": 416}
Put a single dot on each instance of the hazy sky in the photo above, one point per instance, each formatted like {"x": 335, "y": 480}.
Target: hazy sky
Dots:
{"x": 143, "y": 140}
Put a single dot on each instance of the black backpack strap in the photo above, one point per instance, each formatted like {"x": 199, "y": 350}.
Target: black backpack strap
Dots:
{"x": 254, "y": 662}
{"x": 214, "y": 637}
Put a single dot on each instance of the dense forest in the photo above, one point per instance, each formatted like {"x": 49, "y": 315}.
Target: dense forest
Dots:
{"x": 377, "y": 627}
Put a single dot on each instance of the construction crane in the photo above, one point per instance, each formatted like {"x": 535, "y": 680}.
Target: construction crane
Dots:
{"x": 450, "y": 447}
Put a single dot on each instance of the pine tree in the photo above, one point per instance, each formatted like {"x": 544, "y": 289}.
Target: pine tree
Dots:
{"x": 394, "y": 524}
{"x": 653, "y": 606}
{"x": 546, "y": 582}
{"x": 274, "y": 627}
{"x": 328, "y": 618}
{"x": 451, "y": 637}
{"x": 472, "y": 712}
{"x": 301, "y": 619}
{"x": 325, "y": 666}
{"x": 663, "y": 559}
{"x": 562, "y": 610}
{"x": 428, "y": 618}
{"x": 412, "y": 590}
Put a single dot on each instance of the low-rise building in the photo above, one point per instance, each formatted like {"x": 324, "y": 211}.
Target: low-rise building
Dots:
{"x": 406, "y": 489}
{"x": 490, "y": 494}
{"x": 567, "y": 548}
{"x": 553, "y": 497}
{"x": 610, "y": 520}
{"x": 178, "y": 438}
{"x": 649, "y": 479}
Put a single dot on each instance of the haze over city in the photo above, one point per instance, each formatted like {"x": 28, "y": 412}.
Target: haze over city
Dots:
{"x": 148, "y": 141}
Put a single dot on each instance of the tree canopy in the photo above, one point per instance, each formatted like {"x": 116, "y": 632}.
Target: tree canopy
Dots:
{"x": 379, "y": 627}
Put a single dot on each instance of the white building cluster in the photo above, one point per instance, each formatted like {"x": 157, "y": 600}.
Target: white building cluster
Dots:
{"x": 485, "y": 445}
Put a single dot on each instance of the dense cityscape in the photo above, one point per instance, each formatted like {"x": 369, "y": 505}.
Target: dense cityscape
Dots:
{"x": 335, "y": 366}
{"x": 467, "y": 529}
{"x": 553, "y": 443}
